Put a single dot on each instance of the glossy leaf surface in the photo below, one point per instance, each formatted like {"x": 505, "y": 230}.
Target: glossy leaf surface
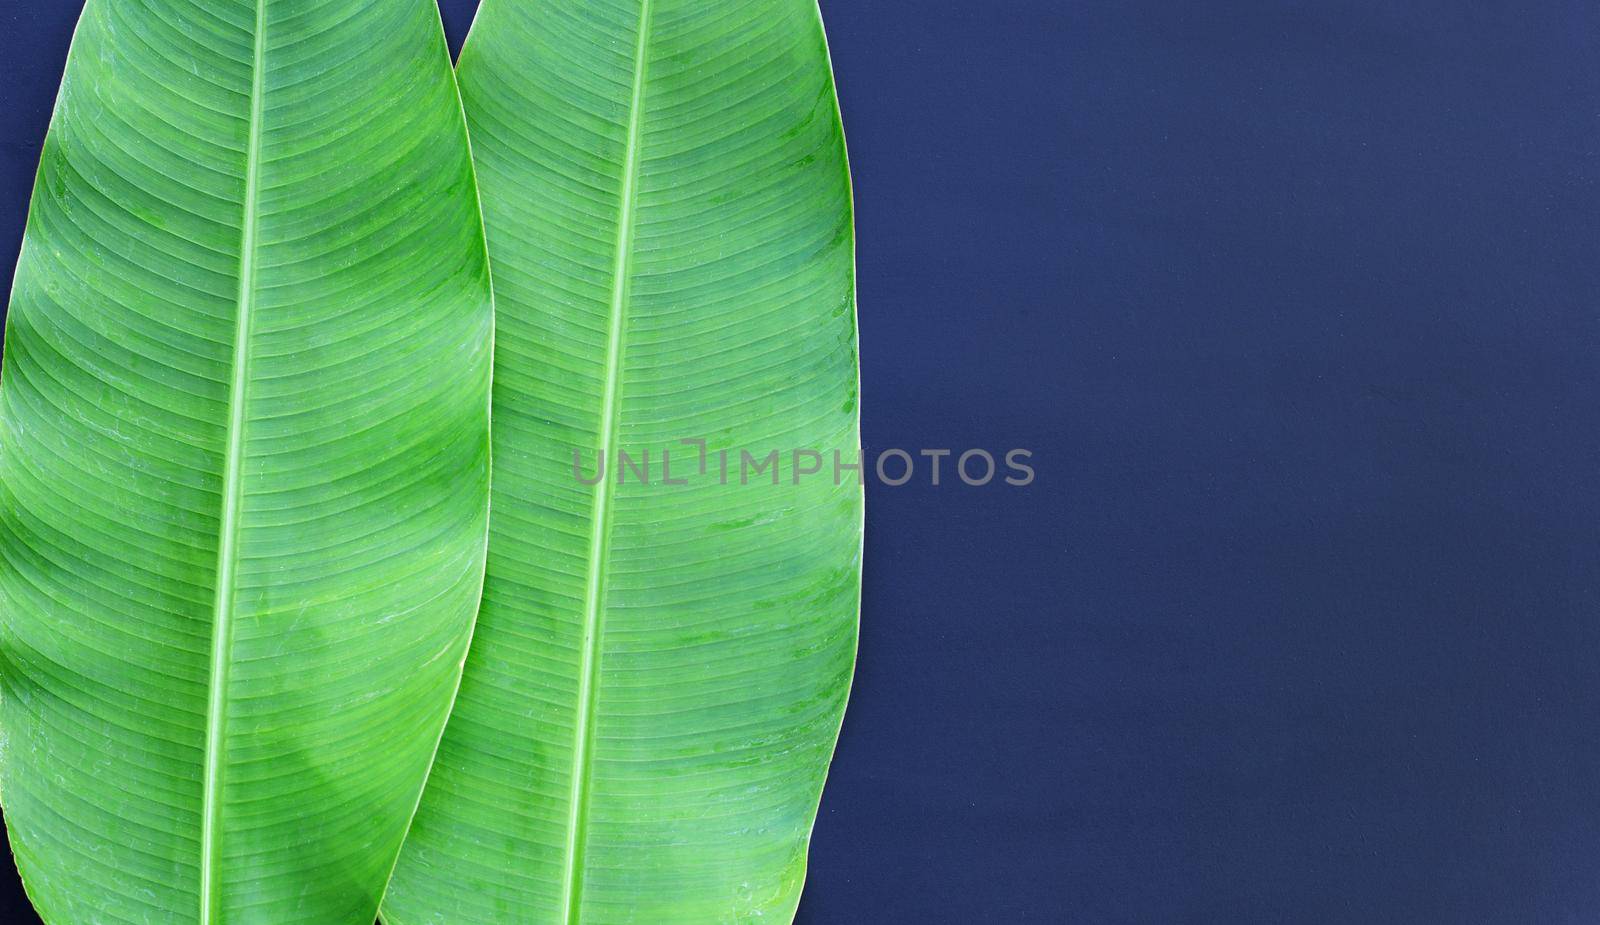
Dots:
{"x": 660, "y": 669}
{"x": 244, "y": 459}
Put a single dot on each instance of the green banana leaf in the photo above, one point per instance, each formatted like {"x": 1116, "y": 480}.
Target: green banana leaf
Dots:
{"x": 243, "y": 460}
{"x": 660, "y": 669}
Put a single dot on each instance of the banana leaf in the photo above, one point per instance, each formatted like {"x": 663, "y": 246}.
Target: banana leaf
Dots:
{"x": 669, "y": 621}
{"x": 243, "y": 460}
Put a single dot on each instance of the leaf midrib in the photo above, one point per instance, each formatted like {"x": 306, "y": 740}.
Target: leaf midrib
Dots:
{"x": 600, "y": 526}
{"x": 232, "y": 493}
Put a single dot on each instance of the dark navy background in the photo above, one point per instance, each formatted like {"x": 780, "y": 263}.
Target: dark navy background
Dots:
{"x": 1298, "y": 306}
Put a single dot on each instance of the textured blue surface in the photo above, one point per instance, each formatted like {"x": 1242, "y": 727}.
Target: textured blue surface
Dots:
{"x": 1298, "y": 306}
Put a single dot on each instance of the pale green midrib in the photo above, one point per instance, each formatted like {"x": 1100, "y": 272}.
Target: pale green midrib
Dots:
{"x": 600, "y": 528}
{"x": 232, "y": 493}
